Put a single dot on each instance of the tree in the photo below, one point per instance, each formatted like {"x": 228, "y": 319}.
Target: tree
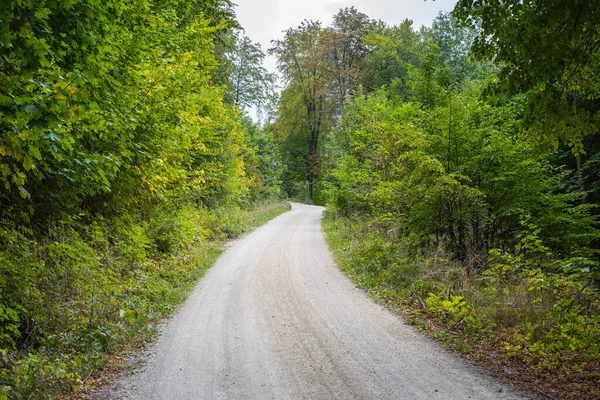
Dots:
{"x": 551, "y": 52}
{"x": 392, "y": 52}
{"x": 97, "y": 98}
{"x": 454, "y": 51}
{"x": 264, "y": 166}
{"x": 302, "y": 66}
{"x": 250, "y": 84}
{"x": 342, "y": 44}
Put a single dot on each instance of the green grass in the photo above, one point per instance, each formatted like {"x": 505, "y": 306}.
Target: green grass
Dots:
{"x": 264, "y": 212}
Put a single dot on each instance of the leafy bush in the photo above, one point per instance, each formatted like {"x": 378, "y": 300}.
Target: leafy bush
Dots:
{"x": 121, "y": 166}
{"x": 87, "y": 291}
{"x": 174, "y": 229}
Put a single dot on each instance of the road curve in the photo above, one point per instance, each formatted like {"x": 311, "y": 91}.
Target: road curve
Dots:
{"x": 275, "y": 319}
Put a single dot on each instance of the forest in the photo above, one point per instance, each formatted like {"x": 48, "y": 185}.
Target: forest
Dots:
{"x": 459, "y": 167}
{"x": 125, "y": 160}
{"x": 458, "y": 163}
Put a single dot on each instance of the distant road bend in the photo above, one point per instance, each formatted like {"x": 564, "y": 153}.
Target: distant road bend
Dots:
{"x": 276, "y": 319}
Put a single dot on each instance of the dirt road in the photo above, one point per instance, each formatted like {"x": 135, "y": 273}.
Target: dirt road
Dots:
{"x": 275, "y": 319}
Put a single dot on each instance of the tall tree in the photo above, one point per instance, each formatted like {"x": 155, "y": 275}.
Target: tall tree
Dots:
{"x": 302, "y": 66}
{"x": 342, "y": 44}
{"x": 98, "y": 97}
{"x": 393, "y": 50}
{"x": 250, "y": 83}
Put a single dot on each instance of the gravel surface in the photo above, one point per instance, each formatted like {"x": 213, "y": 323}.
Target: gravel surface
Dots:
{"x": 275, "y": 319}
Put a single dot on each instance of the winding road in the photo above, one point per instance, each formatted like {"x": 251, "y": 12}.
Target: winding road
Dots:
{"x": 275, "y": 319}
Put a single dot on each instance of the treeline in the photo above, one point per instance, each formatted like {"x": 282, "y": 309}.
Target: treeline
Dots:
{"x": 123, "y": 156}
{"x": 458, "y": 163}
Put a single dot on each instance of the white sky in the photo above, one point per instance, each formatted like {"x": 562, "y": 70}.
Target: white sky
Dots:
{"x": 264, "y": 20}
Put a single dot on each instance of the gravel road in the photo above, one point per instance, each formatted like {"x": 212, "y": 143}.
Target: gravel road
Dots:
{"x": 275, "y": 319}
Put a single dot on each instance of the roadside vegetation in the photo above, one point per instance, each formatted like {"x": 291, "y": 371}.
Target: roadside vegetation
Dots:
{"x": 458, "y": 164}
{"x": 125, "y": 162}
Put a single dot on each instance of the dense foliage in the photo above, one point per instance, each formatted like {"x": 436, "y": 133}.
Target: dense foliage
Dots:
{"x": 122, "y": 158}
{"x": 321, "y": 69}
{"x": 458, "y": 166}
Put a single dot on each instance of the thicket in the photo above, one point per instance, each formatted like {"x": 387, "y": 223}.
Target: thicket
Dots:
{"x": 124, "y": 160}
{"x": 460, "y": 176}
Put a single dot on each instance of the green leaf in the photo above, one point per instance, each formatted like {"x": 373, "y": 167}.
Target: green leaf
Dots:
{"x": 27, "y": 163}
{"x": 23, "y": 192}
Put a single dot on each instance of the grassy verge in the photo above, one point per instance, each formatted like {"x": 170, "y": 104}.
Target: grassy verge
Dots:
{"x": 83, "y": 297}
{"x": 537, "y": 329}
{"x": 265, "y": 212}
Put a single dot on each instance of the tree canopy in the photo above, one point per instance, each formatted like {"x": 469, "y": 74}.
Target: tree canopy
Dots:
{"x": 459, "y": 167}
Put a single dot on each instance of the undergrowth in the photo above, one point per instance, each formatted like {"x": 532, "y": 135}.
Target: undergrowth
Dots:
{"x": 88, "y": 289}
{"x": 538, "y": 319}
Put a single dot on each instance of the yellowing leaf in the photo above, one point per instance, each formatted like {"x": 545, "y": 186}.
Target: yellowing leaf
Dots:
{"x": 19, "y": 178}
{"x": 27, "y": 163}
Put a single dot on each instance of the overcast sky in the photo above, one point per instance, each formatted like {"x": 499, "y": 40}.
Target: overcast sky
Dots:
{"x": 264, "y": 20}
